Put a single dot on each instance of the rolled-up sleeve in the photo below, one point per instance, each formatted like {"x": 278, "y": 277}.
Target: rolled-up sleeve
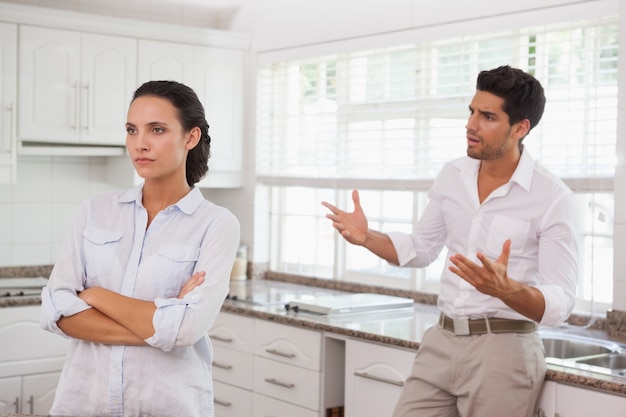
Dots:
{"x": 182, "y": 322}
{"x": 59, "y": 298}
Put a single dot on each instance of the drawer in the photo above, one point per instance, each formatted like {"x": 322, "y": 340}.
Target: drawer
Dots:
{"x": 233, "y": 367}
{"x": 270, "y": 407}
{"x": 287, "y": 383}
{"x": 232, "y": 401}
{"x": 374, "y": 378}
{"x": 233, "y": 332}
{"x": 288, "y": 344}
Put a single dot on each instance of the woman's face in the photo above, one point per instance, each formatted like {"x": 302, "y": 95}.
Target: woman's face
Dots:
{"x": 156, "y": 140}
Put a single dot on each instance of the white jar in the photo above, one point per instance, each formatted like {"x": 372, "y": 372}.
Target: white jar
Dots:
{"x": 240, "y": 266}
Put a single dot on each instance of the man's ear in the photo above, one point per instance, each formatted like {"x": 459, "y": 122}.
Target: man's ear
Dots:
{"x": 521, "y": 128}
{"x": 193, "y": 138}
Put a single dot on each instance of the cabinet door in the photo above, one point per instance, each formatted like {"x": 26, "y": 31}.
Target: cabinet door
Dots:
{"x": 374, "y": 376}
{"x": 10, "y": 395}
{"x": 38, "y": 392}
{"x": 165, "y": 61}
{"x": 48, "y": 85}
{"x": 580, "y": 402}
{"x": 108, "y": 80}
{"x": 8, "y": 94}
{"x": 218, "y": 82}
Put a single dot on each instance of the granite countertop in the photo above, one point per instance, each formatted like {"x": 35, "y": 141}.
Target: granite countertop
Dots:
{"x": 265, "y": 299}
{"x": 400, "y": 328}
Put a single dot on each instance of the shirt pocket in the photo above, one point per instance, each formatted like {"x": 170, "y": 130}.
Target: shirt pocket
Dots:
{"x": 503, "y": 228}
{"x": 174, "y": 266}
{"x": 100, "y": 249}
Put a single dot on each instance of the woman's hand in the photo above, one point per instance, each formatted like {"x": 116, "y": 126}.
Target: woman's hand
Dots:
{"x": 196, "y": 280}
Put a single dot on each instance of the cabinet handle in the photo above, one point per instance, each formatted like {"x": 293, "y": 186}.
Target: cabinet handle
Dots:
{"x": 76, "y": 88}
{"x": 88, "y": 107}
{"x": 9, "y": 142}
{"x": 378, "y": 378}
{"x": 279, "y": 353}
{"x": 221, "y": 339}
{"x": 221, "y": 365}
{"x": 222, "y": 403}
{"x": 17, "y": 405}
{"x": 31, "y": 402}
{"x": 279, "y": 383}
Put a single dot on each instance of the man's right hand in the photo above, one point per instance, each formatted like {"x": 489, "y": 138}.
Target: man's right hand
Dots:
{"x": 352, "y": 226}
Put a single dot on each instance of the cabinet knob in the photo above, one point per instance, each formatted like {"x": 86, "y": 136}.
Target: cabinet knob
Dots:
{"x": 279, "y": 353}
{"x": 378, "y": 378}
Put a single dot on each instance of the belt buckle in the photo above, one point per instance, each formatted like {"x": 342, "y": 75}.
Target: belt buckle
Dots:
{"x": 461, "y": 327}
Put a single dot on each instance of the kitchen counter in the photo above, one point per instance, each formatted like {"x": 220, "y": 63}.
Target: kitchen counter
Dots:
{"x": 265, "y": 299}
{"x": 400, "y": 328}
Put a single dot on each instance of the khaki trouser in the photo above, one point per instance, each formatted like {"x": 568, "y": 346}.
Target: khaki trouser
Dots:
{"x": 490, "y": 375}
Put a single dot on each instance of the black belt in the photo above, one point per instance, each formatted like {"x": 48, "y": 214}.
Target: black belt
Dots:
{"x": 465, "y": 327}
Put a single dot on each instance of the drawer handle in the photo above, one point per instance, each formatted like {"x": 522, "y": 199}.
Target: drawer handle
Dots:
{"x": 221, "y": 339}
{"x": 221, "y": 365}
{"x": 279, "y": 383}
{"x": 222, "y": 403}
{"x": 378, "y": 378}
{"x": 279, "y": 353}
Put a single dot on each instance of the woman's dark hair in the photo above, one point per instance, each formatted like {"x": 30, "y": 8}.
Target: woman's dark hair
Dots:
{"x": 523, "y": 95}
{"x": 191, "y": 114}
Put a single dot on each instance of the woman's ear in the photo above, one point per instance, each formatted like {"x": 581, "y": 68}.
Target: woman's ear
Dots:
{"x": 193, "y": 137}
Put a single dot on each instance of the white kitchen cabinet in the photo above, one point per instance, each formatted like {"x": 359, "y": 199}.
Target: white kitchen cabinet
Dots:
{"x": 231, "y": 401}
{"x": 574, "y": 401}
{"x": 287, "y": 365}
{"x": 546, "y": 402}
{"x": 29, "y": 394}
{"x": 374, "y": 376}
{"x": 218, "y": 82}
{"x": 8, "y": 101}
{"x": 30, "y": 362}
{"x": 232, "y": 337}
{"x": 264, "y": 406}
{"x": 74, "y": 87}
{"x": 216, "y": 75}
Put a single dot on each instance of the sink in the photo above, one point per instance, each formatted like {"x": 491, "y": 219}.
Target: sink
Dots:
{"x": 584, "y": 353}
{"x": 615, "y": 363}
{"x": 565, "y": 348}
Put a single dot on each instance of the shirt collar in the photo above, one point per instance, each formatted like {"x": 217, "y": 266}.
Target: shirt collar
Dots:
{"x": 522, "y": 176}
{"x": 188, "y": 204}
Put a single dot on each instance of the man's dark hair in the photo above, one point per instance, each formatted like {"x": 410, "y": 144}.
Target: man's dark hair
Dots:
{"x": 523, "y": 95}
{"x": 190, "y": 114}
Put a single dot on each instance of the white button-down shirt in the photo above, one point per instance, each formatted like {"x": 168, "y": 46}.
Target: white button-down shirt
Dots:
{"x": 110, "y": 247}
{"x": 534, "y": 209}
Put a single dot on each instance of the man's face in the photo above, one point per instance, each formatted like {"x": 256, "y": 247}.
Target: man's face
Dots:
{"x": 489, "y": 134}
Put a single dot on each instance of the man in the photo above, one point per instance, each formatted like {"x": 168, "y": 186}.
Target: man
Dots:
{"x": 510, "y": 230}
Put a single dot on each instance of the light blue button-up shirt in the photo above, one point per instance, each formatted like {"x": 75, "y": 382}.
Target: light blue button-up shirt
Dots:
{"x": 109, "y": 246}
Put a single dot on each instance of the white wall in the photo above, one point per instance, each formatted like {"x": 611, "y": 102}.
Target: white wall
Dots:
{"x": 36, "y": 211}
{"x": 276, "y": 25}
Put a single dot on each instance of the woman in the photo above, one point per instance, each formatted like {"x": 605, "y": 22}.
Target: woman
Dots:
{"x": 143, "y": 274}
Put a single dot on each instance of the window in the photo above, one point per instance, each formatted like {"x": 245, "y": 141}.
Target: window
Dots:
{"x": 384, "y": 121}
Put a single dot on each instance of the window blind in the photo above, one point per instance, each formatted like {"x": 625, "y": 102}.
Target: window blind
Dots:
{"x": 398, "y": 114}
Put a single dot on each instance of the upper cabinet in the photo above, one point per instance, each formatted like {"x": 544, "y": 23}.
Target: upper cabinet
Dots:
{"x": 8, "y": 98}
{"x": 77, "y": 74}
{"x": 216, "y": 75}
{"x": 74, "y": 87}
